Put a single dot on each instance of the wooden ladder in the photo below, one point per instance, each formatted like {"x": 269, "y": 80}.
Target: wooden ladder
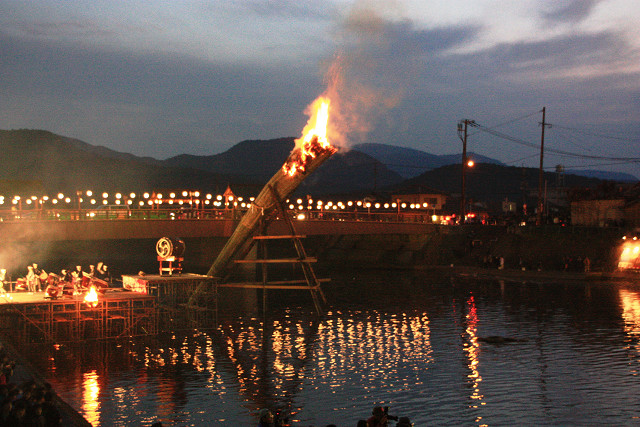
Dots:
{"x": 310, "y": 281}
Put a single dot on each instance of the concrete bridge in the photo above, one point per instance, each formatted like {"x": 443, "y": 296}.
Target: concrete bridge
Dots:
{"x": 127, "y": 242}
{"x": 120, "y": 229}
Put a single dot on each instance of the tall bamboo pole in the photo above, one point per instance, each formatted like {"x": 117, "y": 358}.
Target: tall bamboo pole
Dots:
{"x": 283, "y": 184}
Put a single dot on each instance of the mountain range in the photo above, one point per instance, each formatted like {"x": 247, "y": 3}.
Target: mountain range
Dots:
{"x": 43, "y": 162}
{"x": 409, "y": 162}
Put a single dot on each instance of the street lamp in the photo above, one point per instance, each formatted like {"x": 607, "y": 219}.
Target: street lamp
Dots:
{"x": 462, "y": 134}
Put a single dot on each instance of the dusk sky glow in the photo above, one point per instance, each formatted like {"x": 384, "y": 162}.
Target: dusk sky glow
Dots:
{"x": 159, "y": 79}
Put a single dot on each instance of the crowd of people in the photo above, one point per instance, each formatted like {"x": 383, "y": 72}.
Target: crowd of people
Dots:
{"x": 577, "y": 264}
{"x": 67, "y": 282}
{"x": 27, "y": 404}
{"x": 379, "y": 418}
{"x": 568, "y": 263}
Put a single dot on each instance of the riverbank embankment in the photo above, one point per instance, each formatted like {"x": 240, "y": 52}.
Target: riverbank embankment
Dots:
{"x": 535, "y": 276}
{"x": 24, "y": 373}
{"x": 547, "y": 249}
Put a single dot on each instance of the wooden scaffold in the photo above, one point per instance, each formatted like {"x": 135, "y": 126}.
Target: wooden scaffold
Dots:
{"x": 310, "y": 281}
{"x": 116, "y": 314}
{"x": 311, "y": 151}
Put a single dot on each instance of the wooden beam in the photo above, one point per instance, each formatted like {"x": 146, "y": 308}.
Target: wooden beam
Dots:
{"x": 275, "y": 261}
{"x": 289, "y": 236}
{"x": 272, "y": 283}
{"x": 261, "y": 286}
{"x": 277, "y": 188}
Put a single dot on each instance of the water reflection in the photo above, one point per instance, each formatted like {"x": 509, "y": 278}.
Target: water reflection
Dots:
{"x": 271, "y": 362}
{"x": 413, "y": 346}
{"x": 472, "y": 350}
{"x": 90, "y": 394}
{"x": 630, "y": 303}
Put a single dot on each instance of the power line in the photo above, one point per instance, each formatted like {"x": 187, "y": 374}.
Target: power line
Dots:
{"x": 521, "y": 159}
{"x": 601, "y": 135}
{"x": 571, "y": 139}
{"x": 552, "y": 150}
{"x": 592, "y": 165}
{"x": 508, "y": 122}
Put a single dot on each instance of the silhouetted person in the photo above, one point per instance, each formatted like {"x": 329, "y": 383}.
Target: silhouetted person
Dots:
{"x": 266, "y": 418}
{"x": 378, "y": 418}
{"x": 50, "y": 411}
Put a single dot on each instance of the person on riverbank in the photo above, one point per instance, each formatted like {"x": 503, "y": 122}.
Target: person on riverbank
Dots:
{"x": 18, "y": 415}
{"x": 50, "y": 411}
{"x": 378, "y": 418}
{"x": 266, "y": 418}
{"x": 5, "y": 411}
{"x": 404, "y": 422}
{"x": 587, "y": 264}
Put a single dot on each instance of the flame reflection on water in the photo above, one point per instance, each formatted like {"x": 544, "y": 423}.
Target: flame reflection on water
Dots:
{"x": 630, "y": 303}
{"x": 277, "y": 359}
{"x": 90, "y": 394}
{"x": 472, "y": 350}
{"x": 415, "y": 348}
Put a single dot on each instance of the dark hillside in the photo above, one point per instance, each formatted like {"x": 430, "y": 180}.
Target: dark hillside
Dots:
{"x": 346, "y": 171}
{"x": 491, "y": 182}
{"x": 41, "y": 161}
{"x": 58, "y": 164}
{"x": 257, "y": 158}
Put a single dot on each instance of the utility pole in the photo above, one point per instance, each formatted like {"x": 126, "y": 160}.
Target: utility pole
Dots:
{"x": 462, "y": 134}
{"x": 541, "y": 172}
{"x": 375, "y": 178}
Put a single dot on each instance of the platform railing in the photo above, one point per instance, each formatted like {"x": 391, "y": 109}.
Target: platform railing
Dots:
{"x": 391, "y": 215}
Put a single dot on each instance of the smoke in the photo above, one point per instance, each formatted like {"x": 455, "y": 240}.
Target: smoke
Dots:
{"x": 25, "y": 247}
{"x": 363, "y": 81}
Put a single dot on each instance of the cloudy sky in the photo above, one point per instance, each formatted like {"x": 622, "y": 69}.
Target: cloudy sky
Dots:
{"x": 161, "y": 78}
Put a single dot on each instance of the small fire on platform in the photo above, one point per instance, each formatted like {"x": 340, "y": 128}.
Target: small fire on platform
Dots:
{"x": 91, "y": 298}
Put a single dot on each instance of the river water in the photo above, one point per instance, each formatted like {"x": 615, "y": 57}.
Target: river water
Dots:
{"x": 413, "y": 341}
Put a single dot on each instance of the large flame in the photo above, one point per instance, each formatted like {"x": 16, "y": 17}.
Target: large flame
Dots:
{"x": 630, "y": 256}
{"x": 313, "y": 139}
{"x": 91, "y": 298}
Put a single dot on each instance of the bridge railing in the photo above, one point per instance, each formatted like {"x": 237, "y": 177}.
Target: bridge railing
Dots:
{"x": 208, "y": 214}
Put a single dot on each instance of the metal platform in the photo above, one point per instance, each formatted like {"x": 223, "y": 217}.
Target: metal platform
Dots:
{"x": 171, "y": 291}
{"x": 26, "y": 317}
{"x": 173, "y": 294}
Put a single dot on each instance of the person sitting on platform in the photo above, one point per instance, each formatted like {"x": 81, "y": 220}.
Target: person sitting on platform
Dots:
{"x": 102, "y": 272}
{"x": 53, "y": 289}
{"x": 106, "y": 274}
{"x": 66, "y": 275}
{"x": 3, "y": 281}
{"x": 41, "y": 277}
{"x": 78, "y": 278}
{"x": 31, "y": 279}
{"x": 66, "y": 283}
